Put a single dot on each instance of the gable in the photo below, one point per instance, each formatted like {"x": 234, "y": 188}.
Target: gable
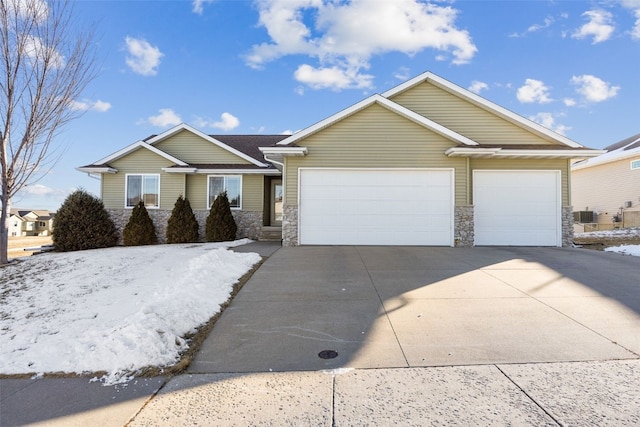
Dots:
{"x": 464, "y": 117}
{"x": 192, "y": 148}
{"x": 141, "y": 161}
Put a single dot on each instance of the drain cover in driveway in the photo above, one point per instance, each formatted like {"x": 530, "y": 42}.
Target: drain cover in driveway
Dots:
{"x": 328, "y": 354}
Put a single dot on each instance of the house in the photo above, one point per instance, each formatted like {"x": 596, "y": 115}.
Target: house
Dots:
{"x": 24, "y": 222}
{"x": 606, "y": 189}
{"x": 425, "y": 163}
{"x": 184, "y": 161}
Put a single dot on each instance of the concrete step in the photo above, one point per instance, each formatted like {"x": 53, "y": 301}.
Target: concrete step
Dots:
{"x": 270, "y": 234}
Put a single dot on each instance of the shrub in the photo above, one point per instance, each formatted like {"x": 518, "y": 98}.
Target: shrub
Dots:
{"x": 139, "y": 230}
{"x": 182, "y": 226}
{"x": 83, "y": 223}
{"x": 220, "y": 227}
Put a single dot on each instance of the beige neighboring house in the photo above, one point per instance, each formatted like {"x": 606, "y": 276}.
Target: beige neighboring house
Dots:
{"x": 426, "y": 163}
{"x": 23, "y": 222}
{"x": 606, "y": 189}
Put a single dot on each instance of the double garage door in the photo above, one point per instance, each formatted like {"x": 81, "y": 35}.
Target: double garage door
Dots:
{"x": 416, "y": 206}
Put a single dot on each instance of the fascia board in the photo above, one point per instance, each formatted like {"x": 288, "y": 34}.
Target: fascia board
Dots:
{"x": 184, "y": 126}
{"x": 507, "y": 153}
{"x": 222, "y": 171}
{"x": 390, "y": 105}
{"x": 501, "y": 111}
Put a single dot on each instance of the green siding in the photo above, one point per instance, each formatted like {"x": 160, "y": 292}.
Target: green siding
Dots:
{"x": 191, "y": 148}
{"x": 139, "y": 162}
{"x": 464, "y": 117}
{"x": 527, "y": 164}
{"x": 376, "y": 138}
{"x": 252, "y": 192}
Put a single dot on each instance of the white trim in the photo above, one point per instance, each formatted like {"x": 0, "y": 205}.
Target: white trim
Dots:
{"x": 126, "y": 188}
{"x": 558, "y": 175}
{"x": 451, "y": 182}
{"x": 183, "y": 126}
{"x": 224, "y": 188}
{"x": 388, "y": 104}
{"x": 197, "y": 171}
{"x": 103, "y": 169}
{"x": 285, "y": 151}
{"x": 635, "y": 167}
{"x": 505, "y": 152}
{"x": 135, "y": 146}
{"x": 607, "y": 157}
{"x": 470, "y": 96}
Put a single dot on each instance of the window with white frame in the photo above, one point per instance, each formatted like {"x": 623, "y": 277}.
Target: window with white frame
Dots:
{"x": 635, "y": 164}
{"x": 232, "y": 184}
{"x": 145, "y": 187}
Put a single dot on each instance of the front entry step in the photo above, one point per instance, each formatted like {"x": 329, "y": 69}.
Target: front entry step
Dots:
{"x": 270, "y": 234}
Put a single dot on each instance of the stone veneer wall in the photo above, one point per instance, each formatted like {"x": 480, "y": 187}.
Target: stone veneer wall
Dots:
{"x": 290, "y": 225}
{"x": 249, "y": 223}
{"x": 463, "y": 226}
{"x": 567, "y": 226}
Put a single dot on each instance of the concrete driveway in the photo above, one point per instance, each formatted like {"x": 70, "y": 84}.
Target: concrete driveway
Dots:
{"x": 389, "y": 307}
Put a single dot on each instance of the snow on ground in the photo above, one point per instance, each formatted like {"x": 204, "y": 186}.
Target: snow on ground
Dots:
{"x": 115, "y": 310}
{"x": 619, "y": 233}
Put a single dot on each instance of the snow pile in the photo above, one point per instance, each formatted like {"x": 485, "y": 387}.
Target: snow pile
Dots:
{"x": 615, "y": 233}
{"x": 116, "y": 310}
{"x": 625, "y": 249}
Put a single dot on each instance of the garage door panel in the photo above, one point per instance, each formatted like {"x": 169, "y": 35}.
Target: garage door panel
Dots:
{"x": 376, "y": 207}
{"x": 517, "y": 208}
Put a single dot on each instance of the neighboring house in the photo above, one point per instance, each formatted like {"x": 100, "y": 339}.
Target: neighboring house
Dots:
{"x": 24, "y": 222}
{"x": 606, "y": 189}
{"x": 425, "y": 163}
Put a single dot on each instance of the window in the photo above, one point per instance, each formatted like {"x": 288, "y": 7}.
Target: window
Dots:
{"x": 232, "y": 184}
{"x": 145, "y": 188}
{"x": 635, "y": 164}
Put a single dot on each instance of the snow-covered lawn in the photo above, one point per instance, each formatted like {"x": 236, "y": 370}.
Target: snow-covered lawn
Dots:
{"x": 116, "y": 310}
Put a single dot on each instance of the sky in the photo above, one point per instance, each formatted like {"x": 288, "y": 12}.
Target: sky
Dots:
{"x": 279, "y": 66}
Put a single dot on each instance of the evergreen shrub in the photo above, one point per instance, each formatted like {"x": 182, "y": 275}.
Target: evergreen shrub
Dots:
{"x": 220, "y": 226}
{"x": 140, "y": 229}
{"x": 182, "y": 226}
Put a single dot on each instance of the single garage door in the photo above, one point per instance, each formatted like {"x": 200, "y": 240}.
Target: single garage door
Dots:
{"x": 376, "y": 207}
{"x": 517, "y": 208}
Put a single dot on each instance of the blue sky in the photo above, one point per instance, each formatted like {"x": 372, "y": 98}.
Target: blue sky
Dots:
{"x": 276, "y": 66}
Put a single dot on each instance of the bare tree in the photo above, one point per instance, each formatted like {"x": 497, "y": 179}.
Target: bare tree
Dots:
{"x": 46, "y": 63}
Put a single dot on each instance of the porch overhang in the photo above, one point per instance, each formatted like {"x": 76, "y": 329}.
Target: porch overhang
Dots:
{"x": 97, "y": 169}
{"x": 276, "y": 155}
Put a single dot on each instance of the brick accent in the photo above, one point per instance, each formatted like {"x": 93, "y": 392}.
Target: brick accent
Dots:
{"x": 290, "y": 225}
{"x": 463, "y": 226}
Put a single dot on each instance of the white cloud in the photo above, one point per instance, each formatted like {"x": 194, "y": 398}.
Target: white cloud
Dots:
{"x": 343, "y": 36}
{"x": 36, "y": 50}
{"x": 402, "y": 74}
{"x": 600, "y": 26}
{"x": 227, "y": 122}
{"x": 87, "y": 105}
{"x": 198, "y": 6}
{"x": 533, "y": 91}
{"x": 287, "y": 132}
{"x": 477, "y": 86}
{"x": 334, "y": 78}
{"x": 143, "y": 58}
{"x": 40, "y": 190}
{"x": 548, "y": 120}
{"x": 569, "y": 102}
{"x": 535, "y": 27}
{"x": 634, "y": 5}
{"x": 166, "y": 118}
{"x": 594, "y": 89}
{"x": 24, "y": 8}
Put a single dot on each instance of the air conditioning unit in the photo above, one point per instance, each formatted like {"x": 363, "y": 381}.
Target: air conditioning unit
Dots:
{"x": 627, "y": 204}
{"x": 584, "y": 217}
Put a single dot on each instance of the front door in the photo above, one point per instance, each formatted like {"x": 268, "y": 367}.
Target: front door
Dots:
{"x": 276, "y": 202}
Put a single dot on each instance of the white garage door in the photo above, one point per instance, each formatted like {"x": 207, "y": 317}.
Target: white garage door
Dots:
{"x": 517, "y": 208}
{"x": 376, "y": 207}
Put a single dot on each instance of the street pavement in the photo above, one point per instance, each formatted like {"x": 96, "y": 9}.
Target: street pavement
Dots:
{"x": 342, "y": 336}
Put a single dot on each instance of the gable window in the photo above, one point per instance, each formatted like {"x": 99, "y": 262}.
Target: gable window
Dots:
{"x": 143, "y": 187}
{"x": 232, "y": 184}
{"x": 635, "y": 164}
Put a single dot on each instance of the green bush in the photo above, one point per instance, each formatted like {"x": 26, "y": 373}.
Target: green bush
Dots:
{"x": 182, "y": 226}
{"x": 83, "y": 223}
{"x": 140, "y": 229}
{"x": 220, "y": 227}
